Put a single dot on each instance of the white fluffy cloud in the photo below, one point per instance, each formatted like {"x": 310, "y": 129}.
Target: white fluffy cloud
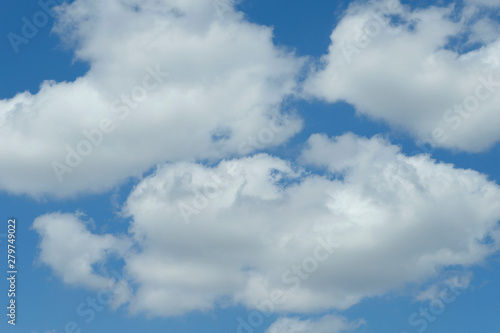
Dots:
{"x": 268, "y": 234}
{"x": 191, "y": 80}
{"x": 409, "y": 68}
{"x": 326, "y": 324}
{"x": 71, "y": 250}
{"x": 168, "y": 80}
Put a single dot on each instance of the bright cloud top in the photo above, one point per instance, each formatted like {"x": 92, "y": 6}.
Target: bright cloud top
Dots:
{"x": 263, "y": 232}
{"x": 413, "y": 70}
{"x": 168, "y": 80}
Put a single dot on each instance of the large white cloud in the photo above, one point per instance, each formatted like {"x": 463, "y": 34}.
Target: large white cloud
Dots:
{"x": 168, "y": 80}
{"x": 412, "y": 68}
{"x": 270, "y": 235}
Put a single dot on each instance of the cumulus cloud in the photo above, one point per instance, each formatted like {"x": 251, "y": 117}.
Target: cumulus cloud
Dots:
{"x": 71, "y": 250}
{"x": 326, "y": 324}
{"x": 274, "y": 236}
{"x": 430, "y": 72}
{"x": 168, "y": 80}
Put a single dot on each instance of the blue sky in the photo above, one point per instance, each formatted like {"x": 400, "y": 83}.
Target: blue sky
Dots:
{"x": 339, "y": 157}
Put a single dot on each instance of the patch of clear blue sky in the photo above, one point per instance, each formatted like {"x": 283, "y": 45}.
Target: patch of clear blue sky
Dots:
{"x": 45, "y": 303}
